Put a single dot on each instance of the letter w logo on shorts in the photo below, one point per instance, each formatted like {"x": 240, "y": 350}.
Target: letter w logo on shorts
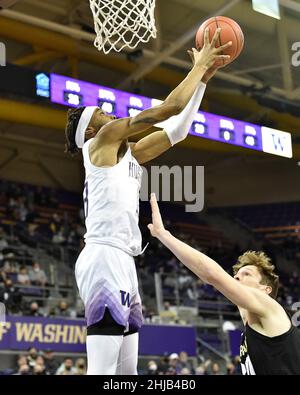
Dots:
{"x": 125, "y": 298}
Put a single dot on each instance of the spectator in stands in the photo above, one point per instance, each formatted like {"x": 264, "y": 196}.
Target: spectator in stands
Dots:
{"x": 34, "y": 310}
{"x": 11, "y": 297}
{"x": 172, "y": 265}
{"x": 24, "y": 370}
{"x": 184, "y": 362}
{"x": 230, "y": 369}
{"x": 184, "y": 279}
{"x": 37, "y": 276}
{"x": 55, "y": 224}
{"x": 40, "y": 360}
{"x": 169, "y": 283}
{"x": 168, "y": 314}
{"x": 59, "y": 237}
{"x": 171, "y": 371}
{"x": 51, "y": 363}
{"x": 173, "y": 361}
{"x": 79, "y": 308}
{"x": 23, "y": 277}
{"x": 151, "y": 312}
{"x": 200, "y": 370}
{"x": 215, "y": 369}
{"x": 147, "y": 314}
{"x": 30, "y": 235}
{"x": 2, "y": 278}
{"x": 237, "y": 363}
{"x": 39, "y": 367}
{"x": 152, "y": 368}
{"x": 15, "y": 241}
{"x": 66, "y": 368}
{"x": 80, "y": 366}
{"x": 12, "y": 205}
{"x": 22, "y": 360}
{"x": 22, "y": 208}
{"x": 185, "y": 372}
{"x": 10, "y": 265}
{"x": 147, "y": 279}
{"x": 39, "y": 370}
{"x": 163, "y": 365}
{"x": 72, "y": 239}
{"x": 207, "y": 366}
{"x": 80, "y": 230}
{"x": 3, "y": 241}
{"x": 32, "y": 356}
{"x": 62, "y": 309}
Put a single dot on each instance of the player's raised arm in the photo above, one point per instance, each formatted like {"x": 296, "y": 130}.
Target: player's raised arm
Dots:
{"x": 174, "y": 129}
{"x": 178, "y": 99}
{"x": 209, "y": 271}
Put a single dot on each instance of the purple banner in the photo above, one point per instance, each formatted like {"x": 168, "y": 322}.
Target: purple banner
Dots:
{"x": 65, "y": 335}
{"x": 163, "y": 339}
{"x": 235, "y": 341}
{"x": 62, "y": 335}
{"x": 72, "y": 92}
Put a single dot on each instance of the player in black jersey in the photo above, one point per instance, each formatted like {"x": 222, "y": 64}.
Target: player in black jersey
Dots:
{"x": 270, "y": 343}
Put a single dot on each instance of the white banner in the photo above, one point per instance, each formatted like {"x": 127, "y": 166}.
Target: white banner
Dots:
{"x": 276, "y": 142}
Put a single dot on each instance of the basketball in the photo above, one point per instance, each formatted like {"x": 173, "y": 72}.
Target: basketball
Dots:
{"x": 231, "y": 31}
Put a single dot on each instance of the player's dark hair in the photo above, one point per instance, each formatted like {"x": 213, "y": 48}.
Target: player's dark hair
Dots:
{"x": 73, "y": 115}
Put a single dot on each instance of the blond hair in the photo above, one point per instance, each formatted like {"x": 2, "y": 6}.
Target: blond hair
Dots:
{"x": 264, "y": 266}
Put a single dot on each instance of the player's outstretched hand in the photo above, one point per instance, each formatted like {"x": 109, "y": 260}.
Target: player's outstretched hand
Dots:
{"x": 209, "y": 73}
{"x": 157, "y": 226}
{"x": 209, "y": 53}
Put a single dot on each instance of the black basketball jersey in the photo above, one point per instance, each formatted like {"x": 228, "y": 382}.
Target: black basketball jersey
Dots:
{"x": 263, "y": 355}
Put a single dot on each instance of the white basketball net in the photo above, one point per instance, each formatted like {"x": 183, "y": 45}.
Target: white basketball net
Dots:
{"x": 122, "y": 23}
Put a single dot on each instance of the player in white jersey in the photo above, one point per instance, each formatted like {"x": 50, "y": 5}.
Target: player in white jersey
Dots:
{"x": 105, "y": 270}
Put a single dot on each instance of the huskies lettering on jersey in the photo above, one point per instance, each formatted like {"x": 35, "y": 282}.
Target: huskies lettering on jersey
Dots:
{"x": 125, "y": 298}
{"x": 111, "y": 198}
{"x": 135, "y": 171}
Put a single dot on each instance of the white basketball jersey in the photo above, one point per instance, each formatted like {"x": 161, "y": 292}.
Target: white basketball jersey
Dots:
{"x": 111, "y": 203}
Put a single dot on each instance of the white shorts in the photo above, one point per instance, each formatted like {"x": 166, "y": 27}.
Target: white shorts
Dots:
{"x": 106, "y": 277}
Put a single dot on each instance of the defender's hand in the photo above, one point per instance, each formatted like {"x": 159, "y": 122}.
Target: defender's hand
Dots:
{"x": 157, "y": 226}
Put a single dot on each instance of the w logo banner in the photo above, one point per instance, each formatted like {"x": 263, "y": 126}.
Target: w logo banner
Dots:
{"x": 276, "y": 142}
{"x": 125, "y": 298}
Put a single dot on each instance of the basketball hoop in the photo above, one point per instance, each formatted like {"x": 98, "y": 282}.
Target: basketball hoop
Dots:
{"x": 122, "y": 23}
